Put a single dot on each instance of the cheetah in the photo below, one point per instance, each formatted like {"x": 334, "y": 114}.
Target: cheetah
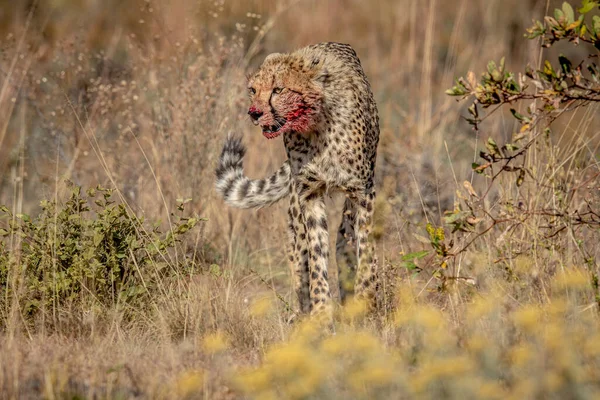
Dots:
{"x": 318, "y": 98}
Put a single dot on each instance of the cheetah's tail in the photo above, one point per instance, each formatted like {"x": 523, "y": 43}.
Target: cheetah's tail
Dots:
{"x": 242, "y": 192}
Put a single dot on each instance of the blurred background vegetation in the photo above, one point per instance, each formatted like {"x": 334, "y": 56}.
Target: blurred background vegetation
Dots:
{"x": 138, "y": 95}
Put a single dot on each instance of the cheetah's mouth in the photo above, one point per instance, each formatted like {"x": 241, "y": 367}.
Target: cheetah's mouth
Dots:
{"x": 272, "y": 131}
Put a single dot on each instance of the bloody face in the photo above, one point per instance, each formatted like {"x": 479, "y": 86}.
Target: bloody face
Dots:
{"x": 283, "y": 101}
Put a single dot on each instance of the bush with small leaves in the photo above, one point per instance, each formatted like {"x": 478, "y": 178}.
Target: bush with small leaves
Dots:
{"x": 102, "y": 252}
{"x": 539, "y": 186}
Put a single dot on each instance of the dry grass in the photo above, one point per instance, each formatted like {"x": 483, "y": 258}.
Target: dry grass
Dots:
{"x": 139, "y": 95}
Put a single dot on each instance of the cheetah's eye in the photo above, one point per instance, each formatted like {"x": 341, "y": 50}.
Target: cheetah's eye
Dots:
{"x": 252, "y": 90}
{"x": 277, "y": 90}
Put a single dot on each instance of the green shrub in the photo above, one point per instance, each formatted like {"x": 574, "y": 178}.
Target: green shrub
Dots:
{"x": 100, "y": 251}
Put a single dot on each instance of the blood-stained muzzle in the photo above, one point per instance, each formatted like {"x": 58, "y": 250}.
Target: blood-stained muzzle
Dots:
{"x": 255, "y": 113}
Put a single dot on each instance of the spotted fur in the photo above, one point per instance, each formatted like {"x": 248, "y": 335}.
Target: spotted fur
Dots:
{"x": 319, "y": 99}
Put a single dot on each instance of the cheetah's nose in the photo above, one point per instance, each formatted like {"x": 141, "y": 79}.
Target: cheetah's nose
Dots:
{"x": 255, "y": 113}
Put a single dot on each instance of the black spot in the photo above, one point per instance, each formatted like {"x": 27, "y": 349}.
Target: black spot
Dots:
{"x": 323, "y": 223}
{"x": 318, "y": 250}
{"x": 311, "y": 223}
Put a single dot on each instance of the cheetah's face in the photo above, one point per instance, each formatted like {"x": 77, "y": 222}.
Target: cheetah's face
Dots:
{"x": 284, "y": 98}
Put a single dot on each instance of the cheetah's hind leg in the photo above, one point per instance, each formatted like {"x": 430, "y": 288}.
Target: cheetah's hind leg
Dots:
{"x": 346, "y": 251}
{"x": 367, "y": 281}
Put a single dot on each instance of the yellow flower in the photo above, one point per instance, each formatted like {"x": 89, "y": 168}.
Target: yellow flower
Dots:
{"x": 261, "y": 307}
{"x": 553, "y": 380}
{"x": 255, "y": 381}
{"x": 591, "y": 346}
{"x": 491, "y": 390}
{"x": 298, "y": 370}
{"x": 354, "y": 309}
{"x": 478, "y": 343}
{"x": 480, "y": 308}
{"x": 189, "y": 382}
{"x": 528, "y": 318}
{"x": 335, "y": 345}
{"x": 572, "y": 279}
{"x": 215, "y": 343}
{"x": 372, "y": 376}
{"x": 429, "y": 317}
{"x": 521, "y": 355}
{"x": 440, "y": 234}
{"x": 363, "y": 342}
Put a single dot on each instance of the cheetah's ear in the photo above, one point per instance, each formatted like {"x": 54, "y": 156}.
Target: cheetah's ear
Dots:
{"x": 272, "y": 56}
{"x": 323, "y": 77}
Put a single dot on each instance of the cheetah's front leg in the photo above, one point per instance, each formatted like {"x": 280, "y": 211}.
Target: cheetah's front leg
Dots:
{"x": 298, "y": 251}
{"x": 315, "y": 217}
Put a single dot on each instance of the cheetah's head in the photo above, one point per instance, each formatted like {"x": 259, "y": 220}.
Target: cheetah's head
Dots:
{"x": 285, "y": 95}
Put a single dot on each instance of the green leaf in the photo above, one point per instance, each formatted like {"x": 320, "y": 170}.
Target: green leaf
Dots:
{"x": 521, "y": 177}
{"x": 596, "y": 24}
{"x": 594, "y": 71}
{"x": 511, "y": 147}
{"x": 215, "y": 270}
{"x": 492, "y": 146}
{"x": 548, "y": 70}
{"x": 24, "y": 217}
{"x": 569, "y": 14}
{"x": 478, "y": 167}
{"x": 417, "y": 255}
{"x": 516, "y": 114}
{"x": 559, "y": 15}
{"x": 456, "y": 216}
{"x": 3, "y": 232}
{"x": 491, "y": 68}
{"x": 587, "y": 6}
{"x": 456, "y": 90}
{"x": 97, "y": 239}
{"x": 473, "y": 110}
